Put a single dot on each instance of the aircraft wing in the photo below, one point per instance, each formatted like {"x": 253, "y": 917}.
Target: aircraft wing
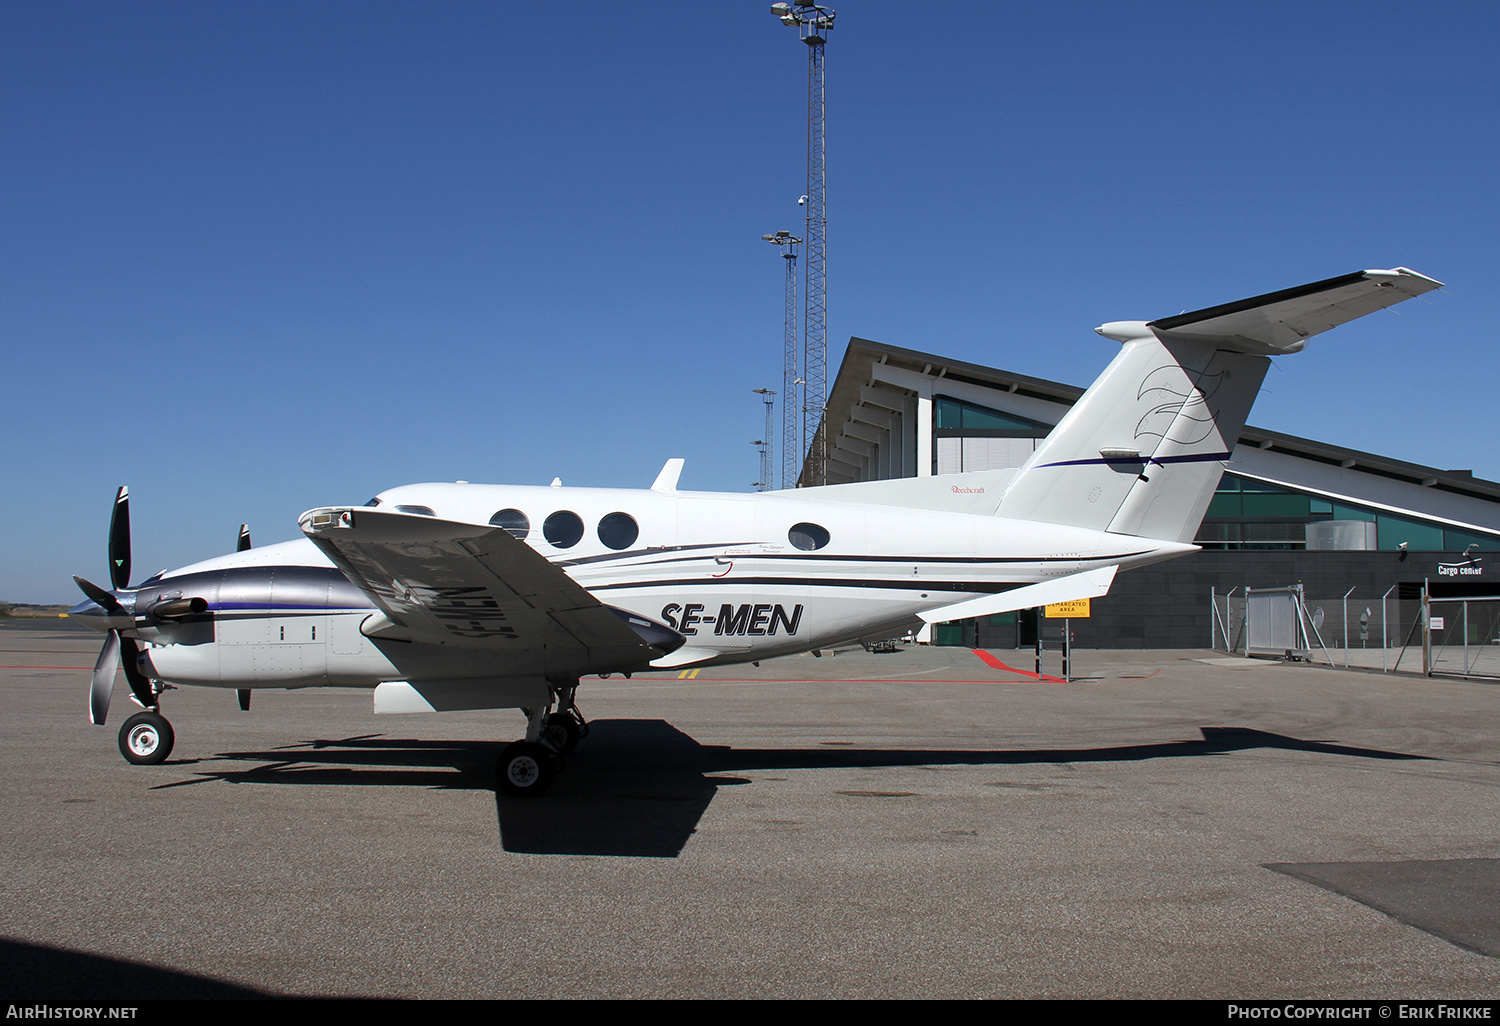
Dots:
{"x": 476, "y": 587}
{"x": 1281, "y": 322}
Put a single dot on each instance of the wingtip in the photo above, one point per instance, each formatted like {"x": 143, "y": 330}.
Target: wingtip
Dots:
{"x": 1411, "y": 278}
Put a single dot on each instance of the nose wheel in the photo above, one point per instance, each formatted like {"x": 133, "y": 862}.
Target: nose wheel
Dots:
{"x": 146, "y": 739}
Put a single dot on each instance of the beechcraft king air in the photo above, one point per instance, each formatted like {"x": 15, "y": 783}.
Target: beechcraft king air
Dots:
{"x": 461, "y": 596}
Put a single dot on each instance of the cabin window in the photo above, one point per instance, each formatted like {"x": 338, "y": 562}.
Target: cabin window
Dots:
{"x": 374, "y": 502}
{"x": 808, "y": 536}
{"x": 619, "y": 530}
{"x": 514, "y": 521}
{"x": 563, "y": 529}
{"x": 421, "y": 511}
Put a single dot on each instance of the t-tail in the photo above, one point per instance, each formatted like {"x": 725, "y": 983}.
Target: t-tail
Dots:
{"x": 1142, "y": 451}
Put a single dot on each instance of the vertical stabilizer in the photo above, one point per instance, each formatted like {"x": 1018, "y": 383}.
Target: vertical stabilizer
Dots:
{"x": 1142, "y": 451}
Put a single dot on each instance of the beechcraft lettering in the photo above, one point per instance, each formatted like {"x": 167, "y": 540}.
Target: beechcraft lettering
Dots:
{"x": 759, "y": 620}
{"x": 465, "y": 596}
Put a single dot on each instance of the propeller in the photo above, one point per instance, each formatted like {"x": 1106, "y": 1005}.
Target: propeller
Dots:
{"x": 104, "y": 678}
{"x": 118, "y": 650}
{"x": 104, "y": 599}
{"x": 122, "y": 651}
{"x": 243, "y": 693}
{"x": 119, "y": 541}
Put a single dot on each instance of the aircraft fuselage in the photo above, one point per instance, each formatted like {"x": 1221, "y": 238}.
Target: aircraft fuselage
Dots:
{"x": 735, "y": 577}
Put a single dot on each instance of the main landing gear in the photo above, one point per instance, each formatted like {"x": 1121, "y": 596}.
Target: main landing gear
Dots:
{"x": 526, "y": 767}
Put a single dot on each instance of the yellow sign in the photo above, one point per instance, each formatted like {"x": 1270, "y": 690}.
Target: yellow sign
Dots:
{"x": 1078, "y": 609}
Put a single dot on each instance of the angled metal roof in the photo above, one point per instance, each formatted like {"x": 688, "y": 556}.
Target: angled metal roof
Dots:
{"x": 863, "y": 354}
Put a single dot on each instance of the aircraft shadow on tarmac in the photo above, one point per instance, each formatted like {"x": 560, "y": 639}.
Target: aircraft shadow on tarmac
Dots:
{"x": 639, "y": 787}
{"x": 37, "y": 972}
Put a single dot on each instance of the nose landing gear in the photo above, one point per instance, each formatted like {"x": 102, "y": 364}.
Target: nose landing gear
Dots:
{"x": 146, "y": 739}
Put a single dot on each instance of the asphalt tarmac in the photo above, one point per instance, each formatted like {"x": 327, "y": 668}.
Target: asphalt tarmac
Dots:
{"x": 914, "y": 825}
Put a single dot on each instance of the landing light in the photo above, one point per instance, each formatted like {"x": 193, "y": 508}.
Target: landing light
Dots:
{"x": 332, "y": 518}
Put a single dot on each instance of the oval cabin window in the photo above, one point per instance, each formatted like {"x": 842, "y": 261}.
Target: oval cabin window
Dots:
{"x": 563, "y": 529}
{"x": 808, "y": 537}
{"x": 514, "y": 521}
{"x": 619, "y": 530}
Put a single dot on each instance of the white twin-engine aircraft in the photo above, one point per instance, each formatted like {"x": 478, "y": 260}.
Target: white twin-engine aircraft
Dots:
{"x": 461, "y": 596}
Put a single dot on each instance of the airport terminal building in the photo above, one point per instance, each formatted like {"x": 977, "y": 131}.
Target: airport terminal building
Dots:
{"x": 1287, "y": 511}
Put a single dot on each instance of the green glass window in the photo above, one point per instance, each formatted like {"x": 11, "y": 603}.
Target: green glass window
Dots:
{"x": 953, "y": 415}
{"x": 1225, "y": 504}
{"x": 1274, "y": 504}
{"x": 1456, "y": 541}
{"x": 1390, "y": 532}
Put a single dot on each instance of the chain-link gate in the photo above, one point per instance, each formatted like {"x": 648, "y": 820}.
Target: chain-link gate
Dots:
{"x": 1463, "y": 637}
{"x": 1448, "y": 636}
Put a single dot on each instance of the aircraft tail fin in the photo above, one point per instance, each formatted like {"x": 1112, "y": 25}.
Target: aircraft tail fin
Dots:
{"x": 1142, "y": 451}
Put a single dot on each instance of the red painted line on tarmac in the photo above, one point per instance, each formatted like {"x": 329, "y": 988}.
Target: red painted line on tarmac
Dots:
{"x": 991, "y": 661}
{"x": 817, "y": 680}
{"x": 44, "y": 667}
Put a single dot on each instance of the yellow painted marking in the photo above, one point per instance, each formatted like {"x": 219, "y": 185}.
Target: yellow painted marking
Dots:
{"x": 688, "y": 674}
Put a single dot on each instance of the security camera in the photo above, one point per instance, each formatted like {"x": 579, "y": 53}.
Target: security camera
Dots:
{"x": 802, "y": 202}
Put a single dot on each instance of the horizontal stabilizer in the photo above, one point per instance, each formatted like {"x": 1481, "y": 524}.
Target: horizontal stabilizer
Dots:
{"x": 1090, "y": 584}
{"x": 1282, "y": 322}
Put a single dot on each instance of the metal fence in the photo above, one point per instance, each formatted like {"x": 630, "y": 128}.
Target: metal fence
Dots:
{"x": 1463, "y": 637}
{"x": 1372, "y": 630}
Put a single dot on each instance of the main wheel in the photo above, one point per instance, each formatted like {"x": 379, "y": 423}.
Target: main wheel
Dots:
{"x": 146, "y": 739}
{"x": 525, "y": 769}
{"x": 562, "y": 732}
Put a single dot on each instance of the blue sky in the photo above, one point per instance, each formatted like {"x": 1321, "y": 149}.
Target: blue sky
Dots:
{"x": 264, "y": 257}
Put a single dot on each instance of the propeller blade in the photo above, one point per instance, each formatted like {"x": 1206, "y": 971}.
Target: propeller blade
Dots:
{"x": 244, "y": 694}
{"x": 104, "y": 599}
{"x": 119, "y": 541}
{"x": 244, "y": 538}
{"x": 104, "y": 678}
{"x": 140, "y": 684}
